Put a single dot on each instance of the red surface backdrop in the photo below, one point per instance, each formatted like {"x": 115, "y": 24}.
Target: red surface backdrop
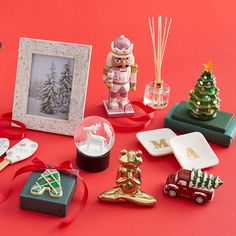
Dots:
{"x": 201, "y": 30}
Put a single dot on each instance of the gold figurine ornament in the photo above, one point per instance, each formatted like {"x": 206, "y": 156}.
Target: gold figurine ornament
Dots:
{"x": 128, "y": 182}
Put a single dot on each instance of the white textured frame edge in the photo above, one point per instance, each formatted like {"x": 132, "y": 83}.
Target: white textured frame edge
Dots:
{"x": 81, "y": 54}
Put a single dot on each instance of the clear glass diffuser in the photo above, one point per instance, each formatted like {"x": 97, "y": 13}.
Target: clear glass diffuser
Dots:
{"x": 94, "y": 136}
{"x": 156, "y": 97}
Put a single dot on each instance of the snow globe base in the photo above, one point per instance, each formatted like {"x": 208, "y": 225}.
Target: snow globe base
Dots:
{"x": 93, "y": 163}
{"x": 129, "y": 111}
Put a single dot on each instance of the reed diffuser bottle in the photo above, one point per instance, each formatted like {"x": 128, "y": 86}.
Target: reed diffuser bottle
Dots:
{"x": 156, "y": 93}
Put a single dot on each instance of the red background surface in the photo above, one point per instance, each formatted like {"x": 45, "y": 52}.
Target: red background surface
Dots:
{"x": 201, "y": 30}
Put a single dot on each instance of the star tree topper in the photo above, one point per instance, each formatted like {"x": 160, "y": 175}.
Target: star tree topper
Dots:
{"x": 209, "y": 66}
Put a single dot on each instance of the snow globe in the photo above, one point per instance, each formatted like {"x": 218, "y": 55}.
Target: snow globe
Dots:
{"x": 94, "y": 138}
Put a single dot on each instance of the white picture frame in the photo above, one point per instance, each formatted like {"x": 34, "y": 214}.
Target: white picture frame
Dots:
{"x": 45, "y": 66}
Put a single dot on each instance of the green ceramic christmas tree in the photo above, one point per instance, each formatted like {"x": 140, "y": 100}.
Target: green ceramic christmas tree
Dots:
{"x": 203, "y": 99}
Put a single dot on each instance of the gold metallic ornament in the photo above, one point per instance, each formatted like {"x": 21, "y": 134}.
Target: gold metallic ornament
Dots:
{"x": 105, "y": 70}
{"x": 134, "y": 68}
{"x": 209, "y": 67}
{"x": 128, "y": 181}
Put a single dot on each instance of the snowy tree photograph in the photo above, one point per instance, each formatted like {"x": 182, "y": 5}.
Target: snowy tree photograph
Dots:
{"x": 65, "y": 86}
{"x": 50, "y": 86}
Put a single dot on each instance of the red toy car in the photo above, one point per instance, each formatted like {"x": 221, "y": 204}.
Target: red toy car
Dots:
{"x": 193, "y": 184}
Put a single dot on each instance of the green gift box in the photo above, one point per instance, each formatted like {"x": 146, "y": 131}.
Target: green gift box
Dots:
{"x": 221, "y": 130}
{"x": 45, "y": 203}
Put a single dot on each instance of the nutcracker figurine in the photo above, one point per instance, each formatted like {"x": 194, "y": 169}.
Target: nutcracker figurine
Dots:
{"x": 120, "y": 77}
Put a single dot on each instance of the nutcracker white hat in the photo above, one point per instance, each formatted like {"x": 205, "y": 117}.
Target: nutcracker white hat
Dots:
{"x": 121, "y": 47}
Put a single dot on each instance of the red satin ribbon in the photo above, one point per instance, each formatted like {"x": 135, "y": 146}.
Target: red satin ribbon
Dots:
{"x": 41, "y": 166}
{"x": 13, "y": 132}
{"x": 142, "y": 121}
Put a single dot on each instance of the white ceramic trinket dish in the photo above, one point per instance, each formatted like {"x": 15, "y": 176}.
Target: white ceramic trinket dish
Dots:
{"x": 193, "y": 151}
{"x": 156, "y": 142}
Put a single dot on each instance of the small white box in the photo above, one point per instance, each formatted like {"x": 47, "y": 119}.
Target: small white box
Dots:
{"x": 156, "y": 142}
{"x": 193, "y": 151}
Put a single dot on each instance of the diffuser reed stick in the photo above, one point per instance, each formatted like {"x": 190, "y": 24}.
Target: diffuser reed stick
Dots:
{"x": 159, "y": 51}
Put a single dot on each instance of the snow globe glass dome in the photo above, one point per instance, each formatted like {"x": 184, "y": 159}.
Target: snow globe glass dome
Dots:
{"x": 94, "y": 138}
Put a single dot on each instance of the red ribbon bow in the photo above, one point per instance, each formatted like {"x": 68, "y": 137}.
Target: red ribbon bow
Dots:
{"x": 8, "y": 131}
{"x": 141, "y": 121}
{"x": 38, "y": 165}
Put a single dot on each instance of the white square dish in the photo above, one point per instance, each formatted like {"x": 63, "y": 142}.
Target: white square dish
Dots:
{"x": 193, "y": 151}
{"x": 156, "y": 142}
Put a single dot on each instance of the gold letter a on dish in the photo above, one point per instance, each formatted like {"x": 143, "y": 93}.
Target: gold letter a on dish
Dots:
{"x": 191, "y": 153}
